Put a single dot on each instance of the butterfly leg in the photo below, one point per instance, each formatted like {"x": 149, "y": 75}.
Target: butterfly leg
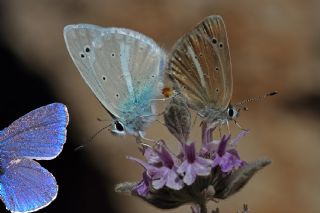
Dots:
{"x": 160, "y": 99}
{"x": 228, "y": 127}
{"x": 162, "y": 123}
{"x": 238, "y": 125}
{"x": 139, "y": 141}
{"x": 167, "y": 97}
{"x": 140, "y": 137}
{"x": 195, "y": 120}
{"x": 145, "y": 116}
{"x": 156, "y": 115}
{"x": 220, "y": 133}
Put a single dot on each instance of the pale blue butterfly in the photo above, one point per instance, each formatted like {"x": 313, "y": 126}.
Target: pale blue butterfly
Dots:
{"x": 123, "y": 68}
{"x": 25, "y": 186}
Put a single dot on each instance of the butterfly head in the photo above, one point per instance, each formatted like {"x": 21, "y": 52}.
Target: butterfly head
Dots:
{"x": 132, "y": 126}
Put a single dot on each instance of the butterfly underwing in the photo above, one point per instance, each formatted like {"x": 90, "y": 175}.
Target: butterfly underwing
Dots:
{"x": 123, "y": 68}
{"x": 200, "y": 69}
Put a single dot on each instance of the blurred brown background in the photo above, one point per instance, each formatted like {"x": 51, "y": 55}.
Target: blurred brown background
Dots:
{"x": 275, "y": 45}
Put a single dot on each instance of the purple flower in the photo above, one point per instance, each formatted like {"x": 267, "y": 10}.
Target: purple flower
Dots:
{"x": 142, "y": 188}
{"x": 164, "y": 174}
{"x": 193, "y": 165}
{"x": 167, "y": 174}
{"x": 151, "y": 156}
{"x": 227, "y": 159}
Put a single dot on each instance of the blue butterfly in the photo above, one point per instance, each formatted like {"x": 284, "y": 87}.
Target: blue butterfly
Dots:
{"x": 123, "y": 68}
{"x": 25, "y": 186}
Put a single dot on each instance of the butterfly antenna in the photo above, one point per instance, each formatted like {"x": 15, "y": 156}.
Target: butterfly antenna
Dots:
{"x": 91, "y": 139}
{"x": 258, "y": 98}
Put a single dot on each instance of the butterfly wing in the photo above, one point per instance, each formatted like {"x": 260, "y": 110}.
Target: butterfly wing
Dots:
{"x": 40, "y": 134}
{"x": 200, "y": 65}
{"x": 120, "y": 66}
{"x": 25, "y": 186}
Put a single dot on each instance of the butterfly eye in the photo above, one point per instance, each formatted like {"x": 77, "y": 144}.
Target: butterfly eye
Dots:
{"x": 113, "y": 54}
{"x": 104, "y": 77}
{"x": 119, "y": 126}
{"x": 217, "y": 68}
{"x": 220, "y": 44}
{"x": 232, "y": 113}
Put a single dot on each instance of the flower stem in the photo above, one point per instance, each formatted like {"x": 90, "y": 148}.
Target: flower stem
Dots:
{"x": 203, "y": 208}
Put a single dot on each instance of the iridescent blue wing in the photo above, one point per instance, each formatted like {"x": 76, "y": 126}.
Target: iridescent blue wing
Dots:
{"x": 40, "y": 134}
{"x": 25, "y": 186}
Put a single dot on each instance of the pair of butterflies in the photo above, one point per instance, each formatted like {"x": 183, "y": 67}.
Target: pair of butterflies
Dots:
{"x": 123, "y": 68}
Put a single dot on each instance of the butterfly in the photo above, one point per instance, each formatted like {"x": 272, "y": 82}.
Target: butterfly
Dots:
{"x": 25, "y": 186}
{"x": 123, "y": 68}
{"x": 200, "y": 69}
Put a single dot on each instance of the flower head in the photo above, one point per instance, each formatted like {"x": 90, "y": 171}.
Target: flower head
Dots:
{"x": 171, "y": 179}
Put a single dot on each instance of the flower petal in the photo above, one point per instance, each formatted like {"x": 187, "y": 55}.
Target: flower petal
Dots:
{"x": 235, "y": 141}
{"x": 223, "y": 145}
{"x": 204, "y": 161}
{"x": 206, "y": 133}
{"x": 142, "y": 188}
{"x": 151, "y": 156}
{"x": 174, "y": 181}
{"x": 190, "y": 175}
{"x": 142, "y": 163}
{"x": 201, "y": 169}
{"x": 190, "y": 152}
{"x": 159, "y": 183}
{"x": 165, "y": 156}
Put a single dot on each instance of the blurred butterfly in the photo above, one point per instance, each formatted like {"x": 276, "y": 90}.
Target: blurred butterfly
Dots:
{"x": 200, "y": 69}
{"x": 25, "y": 186}
{"x": 123, "y": 68}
